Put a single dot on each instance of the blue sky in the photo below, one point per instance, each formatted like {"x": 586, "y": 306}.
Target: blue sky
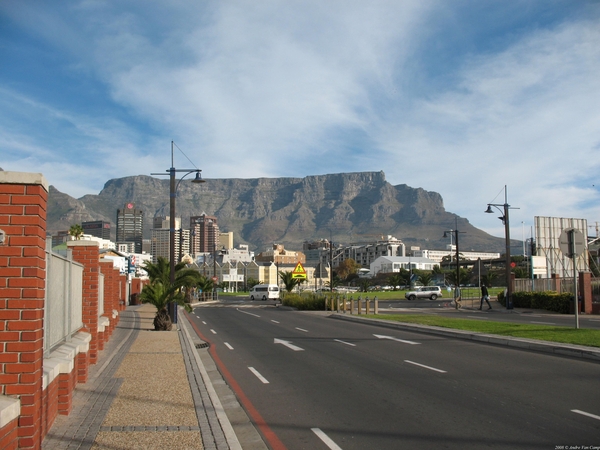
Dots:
{"x": 456, "y": 97}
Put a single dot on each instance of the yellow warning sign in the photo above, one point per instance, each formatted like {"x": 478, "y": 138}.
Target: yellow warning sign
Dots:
{"x": 299, "y": 272}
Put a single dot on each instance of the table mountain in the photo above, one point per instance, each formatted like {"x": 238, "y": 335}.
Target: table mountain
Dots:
{"x": 350, "y": 207}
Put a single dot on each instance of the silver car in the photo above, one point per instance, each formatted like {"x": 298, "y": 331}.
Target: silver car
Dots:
{"x": 430, "y": 292}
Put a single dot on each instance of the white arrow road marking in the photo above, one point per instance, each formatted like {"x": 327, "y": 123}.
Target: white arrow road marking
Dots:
{"x": 326, "y": 439}
{"x": 426, "y": 367}
{"x": 583, "y": 413}
{"x": 258, "y": 375}
{"x": 343, "y": 342}
{"x": 301, "y": 329}
{"x": 288, "y": 345}
{"x": 228, "y": 346}
{"x": 213, "y": 331}
{"x": 246, "y": 312}
{"x": 379, "y": 336}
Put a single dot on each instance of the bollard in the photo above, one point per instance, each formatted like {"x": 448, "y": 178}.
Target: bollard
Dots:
{"x": 337, "y": 304}
{"x": 351, "y": 306}
{"x": 359, "y": 306}
{"x": 376, "y": 306}
{"x": 367, "y": 305}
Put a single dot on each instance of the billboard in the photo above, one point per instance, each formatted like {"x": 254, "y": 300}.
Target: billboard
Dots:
{"x": 547, "y": 231}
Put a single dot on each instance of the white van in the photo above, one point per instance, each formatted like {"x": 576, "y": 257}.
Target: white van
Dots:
{"x": 264, "y": 292}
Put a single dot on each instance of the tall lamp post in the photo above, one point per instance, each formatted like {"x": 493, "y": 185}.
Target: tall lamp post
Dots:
{"x": 505, "y": 220}
{"x": 172, "y": 171}
{"x": 455, "y": 232}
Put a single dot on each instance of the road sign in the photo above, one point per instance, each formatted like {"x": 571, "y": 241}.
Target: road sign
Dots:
{"x": 299, "y": 272}
{"x": 215, "y": 279}
{"x": 571, "y": 242}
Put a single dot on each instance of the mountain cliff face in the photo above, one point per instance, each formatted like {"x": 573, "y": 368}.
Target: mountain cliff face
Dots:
{"x": 350, "y": 207}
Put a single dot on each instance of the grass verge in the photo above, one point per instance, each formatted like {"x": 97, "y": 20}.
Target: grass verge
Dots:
{"x": 566, "y": 335}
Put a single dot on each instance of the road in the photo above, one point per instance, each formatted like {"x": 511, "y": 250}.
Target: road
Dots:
{"x": 311, "y": 382}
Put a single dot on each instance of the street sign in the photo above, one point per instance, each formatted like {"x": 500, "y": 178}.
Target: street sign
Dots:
{"x": 215, "y": 279}
{"x": 571, "y": 242}
{"x": 299, "y": 272}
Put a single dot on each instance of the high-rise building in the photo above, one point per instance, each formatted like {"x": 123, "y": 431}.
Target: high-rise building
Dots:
{"x": 130, "y": 225}
{"x": 205, "y": 233}
{"x": 161, "y": 239}
{"x": 97, "y": 228}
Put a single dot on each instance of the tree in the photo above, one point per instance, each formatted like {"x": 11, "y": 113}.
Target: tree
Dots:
{"x": 488, "y": 279}
{"x": 451, "y": 276}
{"x": 160, "y": 292}
{"x": 288, "y": 281}
{"x": 76, "y": 231}
{"x": 364, "y": 285}
{"x": 425, "y": 278}
{"x": 251, "y": 282}
{"x": 347, "y": 267}
{"x": 395, "y": 281}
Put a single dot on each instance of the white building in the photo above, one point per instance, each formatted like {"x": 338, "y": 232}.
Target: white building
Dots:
{"x": 366, "y": 254}
{"x": 389, "y": 264}
{"x": 102, "y": 243}
{"x": 438, "y": 255}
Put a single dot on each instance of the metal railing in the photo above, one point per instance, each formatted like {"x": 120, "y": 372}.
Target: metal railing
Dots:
{"x": 64, "y": 296}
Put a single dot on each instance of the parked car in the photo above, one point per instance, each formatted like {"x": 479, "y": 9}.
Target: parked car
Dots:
{"x": 431, "y": 292}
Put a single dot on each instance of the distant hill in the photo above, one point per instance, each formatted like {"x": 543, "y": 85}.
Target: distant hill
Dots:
{"x": 351, "y": 207}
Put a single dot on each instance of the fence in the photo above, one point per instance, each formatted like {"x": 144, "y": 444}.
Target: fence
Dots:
{"x": 64, "y": 297}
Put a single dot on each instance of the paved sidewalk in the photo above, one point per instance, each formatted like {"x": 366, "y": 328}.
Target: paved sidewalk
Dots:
{"x": 147, "y": 391}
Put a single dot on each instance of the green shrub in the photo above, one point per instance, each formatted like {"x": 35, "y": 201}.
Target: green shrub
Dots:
{"x": 307, "y": 301}
{"x": 548, "y": 300}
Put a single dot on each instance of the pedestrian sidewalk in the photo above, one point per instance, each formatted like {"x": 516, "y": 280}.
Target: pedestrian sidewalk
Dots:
{"x": 149, "y": 390}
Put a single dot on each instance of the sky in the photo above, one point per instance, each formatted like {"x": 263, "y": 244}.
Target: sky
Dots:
{"x": 457, "y": 97}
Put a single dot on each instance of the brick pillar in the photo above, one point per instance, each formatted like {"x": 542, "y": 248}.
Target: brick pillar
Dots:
{"x": 585, "y": 290}
{"x": 110, "y": 294}
{"x": 87, "y": 253}
{"x": 23, "y": 200}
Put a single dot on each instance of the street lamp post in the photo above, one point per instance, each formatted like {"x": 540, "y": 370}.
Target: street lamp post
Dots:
{"x": 505, "y": 220}
{"x": 455, "y": 232}
{"x": 172, "y": 171}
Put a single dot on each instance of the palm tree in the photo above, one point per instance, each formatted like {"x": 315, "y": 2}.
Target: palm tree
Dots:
{"x": 395, "y": 281}
{"x": 76, "y": 231}
{"x": 161, "y": 291}
{"x": 425, "y": 278}
{"x": 288, "y": 281}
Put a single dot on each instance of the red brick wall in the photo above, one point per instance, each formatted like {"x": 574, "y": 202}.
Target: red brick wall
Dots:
{"x": 9, "y": 438}
{"x": 87, "y": 253}
{"x": 23, "y": 199}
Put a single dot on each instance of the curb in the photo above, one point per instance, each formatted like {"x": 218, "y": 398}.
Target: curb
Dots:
{"x": 575, "y": 351}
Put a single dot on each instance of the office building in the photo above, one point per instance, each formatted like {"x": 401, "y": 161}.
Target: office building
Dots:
{"x": 161, "y": 235}
{"x": 97, "y": 228}
{"x": 205, "y": 233}
{"x": 130, "y": 224}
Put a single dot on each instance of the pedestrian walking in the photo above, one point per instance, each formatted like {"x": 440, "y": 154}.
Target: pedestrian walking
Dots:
{"x": 485, "y": 296}
{"x": 457, "y": 298}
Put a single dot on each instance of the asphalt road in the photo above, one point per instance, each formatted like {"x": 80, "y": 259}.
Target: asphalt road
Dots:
{"x": 310, "y": 382}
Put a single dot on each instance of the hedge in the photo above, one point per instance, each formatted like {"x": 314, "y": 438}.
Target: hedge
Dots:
{"x": 548, "y": 300}
{"x": 308, "y": 301}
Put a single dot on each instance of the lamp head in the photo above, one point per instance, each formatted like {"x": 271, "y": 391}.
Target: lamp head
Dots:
{"x": 198, "y": 178}
{"x": 445, "y": 235}
{"x": 489, "y": 209}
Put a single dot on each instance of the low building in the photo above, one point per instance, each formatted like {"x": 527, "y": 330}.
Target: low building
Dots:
{"x": 390, "y": 264}
{"x": 450, "y": 252}
{"x": 279, "y": 255}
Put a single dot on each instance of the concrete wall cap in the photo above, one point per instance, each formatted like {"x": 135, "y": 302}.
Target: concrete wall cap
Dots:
{"x": 10, "y": 409}
{"x": 81, "y": 243}
{"x": 23, "y": 178}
